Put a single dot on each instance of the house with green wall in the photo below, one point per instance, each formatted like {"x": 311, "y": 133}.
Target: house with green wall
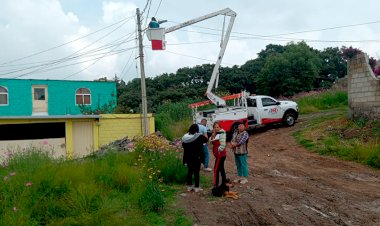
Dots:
{"x": 31, "y": 97}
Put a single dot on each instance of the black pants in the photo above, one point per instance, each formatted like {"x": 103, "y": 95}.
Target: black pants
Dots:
{"x": 219, "y": 167}
{"x": 193, "y": 168}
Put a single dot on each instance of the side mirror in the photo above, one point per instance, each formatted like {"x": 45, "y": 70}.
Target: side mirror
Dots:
{"x": 278, "y": 103}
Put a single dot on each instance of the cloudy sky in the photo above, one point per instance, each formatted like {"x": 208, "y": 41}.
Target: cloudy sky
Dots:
{"x": 89, "y": 39}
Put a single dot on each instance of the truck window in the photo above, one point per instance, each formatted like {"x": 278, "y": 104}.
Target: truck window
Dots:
{"x": 267, "y": 101}
{"x": 251, "y": 102}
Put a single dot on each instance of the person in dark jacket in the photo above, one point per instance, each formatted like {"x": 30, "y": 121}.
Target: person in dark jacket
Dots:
{"x": 193, "y": 156}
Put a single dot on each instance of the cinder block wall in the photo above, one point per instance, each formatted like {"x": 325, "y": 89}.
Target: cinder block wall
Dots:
{"x": 363, "y": 89}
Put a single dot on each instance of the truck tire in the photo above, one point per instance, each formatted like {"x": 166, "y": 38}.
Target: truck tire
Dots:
{"x": 289, "y": 119}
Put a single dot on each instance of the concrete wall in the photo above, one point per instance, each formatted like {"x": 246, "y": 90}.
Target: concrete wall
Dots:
{"x": 363, "y": 89}
{"x": 61, "y": 95}
{"x": 109, "y": 128}
{"x": 117, "y": 126}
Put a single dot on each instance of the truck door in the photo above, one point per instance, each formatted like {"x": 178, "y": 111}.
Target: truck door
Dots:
{"x": 271, "y": 111}
{"x": 253, "y": 112}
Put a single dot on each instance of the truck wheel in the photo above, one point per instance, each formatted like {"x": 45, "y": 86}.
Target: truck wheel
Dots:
{"x": 289, "y": 119}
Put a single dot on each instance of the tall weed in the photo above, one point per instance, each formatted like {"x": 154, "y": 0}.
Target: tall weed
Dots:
{"x": 322, "y": 101}
{"x": 37, "y": 190}
{"x": 173, "y": 119}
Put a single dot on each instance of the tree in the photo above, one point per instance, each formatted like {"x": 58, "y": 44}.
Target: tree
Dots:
{"x": 333, "y": 66}
{"x": 290, "y": 72}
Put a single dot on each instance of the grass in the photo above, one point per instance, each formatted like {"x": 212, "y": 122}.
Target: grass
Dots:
{"x": 118, "y": 188}
{"x": 337, "y": 136}
{"x": 322, "y": 101}
{"x": 173, "y": 119}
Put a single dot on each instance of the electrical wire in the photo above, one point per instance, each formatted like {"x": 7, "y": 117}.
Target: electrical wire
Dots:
{"x": 147, "y": 15}
{"x": 284, "y": 38}
{"x": 157, "y": 8}
{"x": 129, "y": 59}
{"x": 40, "y": 64}
{"x": 290, "y": 33}
{"x": 63, "y": 44}
{"x": 194, "y": 57}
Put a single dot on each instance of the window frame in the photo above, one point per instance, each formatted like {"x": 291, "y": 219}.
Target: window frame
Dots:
{"x": 7, "y": 95}
{"x": 262, "y": 102}
{"x": 82, "y": 94}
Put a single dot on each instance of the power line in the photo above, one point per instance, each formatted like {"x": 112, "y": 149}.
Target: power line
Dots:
{"x": 75, "y": 73}
{"x": 274, "y": 38}
{"x": 43, "y": 64}
{"x": 55, "y": 47}
{"x": 146, "y": 5}
{"x": 157, "y": 8}
{"x": 289, "y": 33}
{"x": 129, "y": 59}
{"x": 328, "y": 28}
{"x": 147, "y": 15}
{"x": 194, "y": 57}
{"x": 80, "y": 62}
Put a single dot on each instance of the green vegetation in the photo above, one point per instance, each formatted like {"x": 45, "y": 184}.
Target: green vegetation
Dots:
{"x": 118, "y": 188}
{"x": 334, "y": 134}
{"x": 173, "y": 119}
{"x": 279, "y": 70}
{"x": 322, "y": 101}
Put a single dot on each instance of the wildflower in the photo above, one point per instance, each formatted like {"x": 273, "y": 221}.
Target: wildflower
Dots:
{"x": 150, "y": 176}
{"x": 6, "y": 178}
{"x": 14, "y": 209}
{"x": 45, "y": 142}
{"x": 12, "y": 174}
{"x": 158, "y": 171}
{"x": 28, "y": 184}
{"x": 162, "y": 189}
{"x": 5, "y": 164}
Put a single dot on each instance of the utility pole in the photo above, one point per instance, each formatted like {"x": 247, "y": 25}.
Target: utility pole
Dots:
{"x": 144, "y": 106}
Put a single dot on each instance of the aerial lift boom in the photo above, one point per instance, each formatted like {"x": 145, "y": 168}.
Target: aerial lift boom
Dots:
{"x": 219, "y": 102}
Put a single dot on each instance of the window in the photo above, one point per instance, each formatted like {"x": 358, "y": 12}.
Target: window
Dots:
{"x": 39, "y": 93}
{"x": 83, "y": 96}
{"x": 268, "y": 102}
{"x": 3, "y": 96}
{"x": 251, "y": 102}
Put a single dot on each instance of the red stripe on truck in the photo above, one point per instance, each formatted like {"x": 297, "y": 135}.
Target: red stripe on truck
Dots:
{"x": 270, "y": 120}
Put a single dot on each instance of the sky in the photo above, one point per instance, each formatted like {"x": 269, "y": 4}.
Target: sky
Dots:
{"x": 90, "y": 39}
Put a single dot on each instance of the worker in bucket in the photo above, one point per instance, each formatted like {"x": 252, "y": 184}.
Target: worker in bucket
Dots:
{"x": 154, "y": 23}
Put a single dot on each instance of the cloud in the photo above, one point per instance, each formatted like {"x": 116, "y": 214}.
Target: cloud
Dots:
{"x": 114, "y": 11}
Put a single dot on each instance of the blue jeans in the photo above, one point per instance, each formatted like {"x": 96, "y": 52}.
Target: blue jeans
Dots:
{"x": 207, "y": 155}
{"x": 241, "y": 165}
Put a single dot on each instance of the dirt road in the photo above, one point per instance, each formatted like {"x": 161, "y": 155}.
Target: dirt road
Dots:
{"x": 289, "y": 185}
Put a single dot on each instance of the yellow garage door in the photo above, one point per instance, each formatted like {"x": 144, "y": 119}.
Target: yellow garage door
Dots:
{"x": 82, "y": 139}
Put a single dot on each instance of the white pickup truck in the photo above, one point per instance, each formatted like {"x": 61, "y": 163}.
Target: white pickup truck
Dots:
{"x": 252, "y": 111}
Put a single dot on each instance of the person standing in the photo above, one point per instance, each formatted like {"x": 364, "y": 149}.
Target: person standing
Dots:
{"x": 193, "y": 156}
{"x": 239, "y": 147}
{"x": 203, "y": 130}
{"x": 218, "y": 139}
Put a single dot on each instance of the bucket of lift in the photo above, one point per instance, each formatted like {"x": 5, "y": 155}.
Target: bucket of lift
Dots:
{"x": 157, "y": 37}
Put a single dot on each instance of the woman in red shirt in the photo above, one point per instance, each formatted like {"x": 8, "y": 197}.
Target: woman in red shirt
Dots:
{"x": 218, "y": 140}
